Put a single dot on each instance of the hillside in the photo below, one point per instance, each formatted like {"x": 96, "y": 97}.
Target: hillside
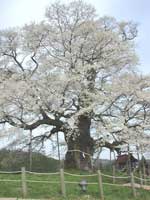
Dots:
{"x": 14, "y": 160}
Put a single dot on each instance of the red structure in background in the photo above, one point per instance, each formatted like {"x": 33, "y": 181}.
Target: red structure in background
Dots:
{"x": 125, "y": 160}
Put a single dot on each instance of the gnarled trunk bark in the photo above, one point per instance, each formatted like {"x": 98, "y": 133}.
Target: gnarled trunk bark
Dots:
{"x": 81, "y": 143}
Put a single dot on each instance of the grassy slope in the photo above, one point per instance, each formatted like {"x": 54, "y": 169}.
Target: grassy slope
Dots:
{"x": 52, "y": 191}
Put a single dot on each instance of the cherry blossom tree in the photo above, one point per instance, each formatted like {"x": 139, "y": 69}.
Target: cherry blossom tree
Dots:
{"x": 73, "y": 72}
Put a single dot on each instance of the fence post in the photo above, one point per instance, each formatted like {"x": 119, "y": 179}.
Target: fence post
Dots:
{"x": 141, "y": 178}
{"x": 100, "y": 185}
{"x": 133, "y": 185}
{"x": 24, "y": 183}
{"x": 144, "y": 174}
{"x": 114, "y": 174}
{"x": 62, "y": 182}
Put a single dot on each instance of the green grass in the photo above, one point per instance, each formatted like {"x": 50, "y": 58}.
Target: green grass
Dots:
{"x": 52, "y": 191}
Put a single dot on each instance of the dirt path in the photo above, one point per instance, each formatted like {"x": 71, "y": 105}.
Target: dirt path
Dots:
{"x": 145, "y": 187}
{"x": 8, "y": 198}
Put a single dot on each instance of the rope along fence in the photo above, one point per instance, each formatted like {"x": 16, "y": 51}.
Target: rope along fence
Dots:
{"x": 98, "y": 180}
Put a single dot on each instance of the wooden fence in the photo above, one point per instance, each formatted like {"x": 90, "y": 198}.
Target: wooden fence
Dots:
{"x": 62, "y": 182}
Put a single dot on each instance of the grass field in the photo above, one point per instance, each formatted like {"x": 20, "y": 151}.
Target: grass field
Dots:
{"x": 52, "y": 191}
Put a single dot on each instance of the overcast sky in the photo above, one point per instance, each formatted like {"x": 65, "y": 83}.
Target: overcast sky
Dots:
{"x": 18, "y": 12}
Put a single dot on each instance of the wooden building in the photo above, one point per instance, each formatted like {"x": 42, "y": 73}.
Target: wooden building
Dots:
{"x": 126, "y": 161}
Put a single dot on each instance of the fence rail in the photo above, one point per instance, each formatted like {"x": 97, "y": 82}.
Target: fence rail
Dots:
{"x": 132, "y": 183}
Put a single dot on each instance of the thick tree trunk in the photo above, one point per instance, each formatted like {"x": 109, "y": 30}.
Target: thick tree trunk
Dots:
{"x": 81, "y": 143}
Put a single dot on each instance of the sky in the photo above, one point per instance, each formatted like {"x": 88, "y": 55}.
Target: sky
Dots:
{"x": 18, "y": 12}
